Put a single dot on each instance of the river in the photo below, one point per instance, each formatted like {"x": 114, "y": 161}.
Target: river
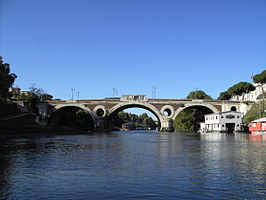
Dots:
{"x": 133, "y": 165}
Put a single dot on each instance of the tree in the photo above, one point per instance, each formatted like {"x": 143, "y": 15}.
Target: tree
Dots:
{"x": 6, "y": 80}
{"x": 31, "y": 102}
{"x": 33, "y": 97}
{"x": 198, "y": 94}
{"x": 149, "y": 122}
{"x": 224, "y": 96}
{"x": 143, "y": 116}
{"x": 190, "y": 118}
{"x": 240, "y": 88}
{"x": 237, "y": 89}
{"x": 134, "y": 120}
{"x": 46, "y": 97}
{"x": 260, "y": 78}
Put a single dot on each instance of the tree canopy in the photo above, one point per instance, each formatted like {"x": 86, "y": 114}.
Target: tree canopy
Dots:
{"x": 225, "y": 96}
{"x": 260, "y": 78}
{"x": 6, "y": 79}
{"x": 237, "y": 89}
{"x": 137, "y": 120}
{"x": 190, "y": 118}
{"x": 33, "y": 97}
{"x": 198, "y": 94}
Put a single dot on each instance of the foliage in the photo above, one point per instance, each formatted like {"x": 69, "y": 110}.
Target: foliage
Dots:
{"x": 260, "y": 78}
{"x": 198, "y": 94}
{"x": 224, "y": 96}
{"x": 83, "y": 119}
{"x": 6, "y": 80}
{"x": 33, "y": 97}
{"x": 142, "y": 120}
{"x": 72, "y": 117}
{"x": 40, "y": 93}
{"x": 190, "y": 118}
{"x": 255, "y": 112}
{"x": 237, "y": 89}
{"x": 240, "y": 88}
{"x": 31, "y": 102}
{"x": 46, "y": 97}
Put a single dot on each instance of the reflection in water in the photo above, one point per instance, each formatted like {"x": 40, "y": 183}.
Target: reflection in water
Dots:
{"x": 133, "y": 165}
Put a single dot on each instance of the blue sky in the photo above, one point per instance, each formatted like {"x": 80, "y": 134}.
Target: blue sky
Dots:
{"x": 133, "y": 45}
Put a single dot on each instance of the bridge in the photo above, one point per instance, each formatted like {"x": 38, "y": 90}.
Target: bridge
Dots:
{"x": 165, "y": 110}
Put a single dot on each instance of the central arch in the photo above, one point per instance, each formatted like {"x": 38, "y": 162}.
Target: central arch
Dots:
{"x": 122, "y": 106}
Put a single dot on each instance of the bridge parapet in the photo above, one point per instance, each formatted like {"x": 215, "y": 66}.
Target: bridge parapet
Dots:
{"x": 141, "y": 98}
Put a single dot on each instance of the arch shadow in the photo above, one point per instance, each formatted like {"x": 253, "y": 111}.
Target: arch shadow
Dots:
{"x": 60, "y": 112}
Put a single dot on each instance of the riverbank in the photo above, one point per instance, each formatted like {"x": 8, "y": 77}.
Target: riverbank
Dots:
{"x": 26, "y": 125}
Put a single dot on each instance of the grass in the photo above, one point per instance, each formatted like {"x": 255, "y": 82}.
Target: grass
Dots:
{"x": 256, "y": 111}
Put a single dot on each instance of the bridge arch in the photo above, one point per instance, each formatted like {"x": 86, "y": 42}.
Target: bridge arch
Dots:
{"x": 122, "y": 106}
{"x": 65, "y": 106}
{"x": 209, "y": 106}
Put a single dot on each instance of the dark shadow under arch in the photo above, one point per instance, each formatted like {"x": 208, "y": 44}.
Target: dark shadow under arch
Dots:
{"x": 72, "y": 117}
{"x": 233, "y": 108}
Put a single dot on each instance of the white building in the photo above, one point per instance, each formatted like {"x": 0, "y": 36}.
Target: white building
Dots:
{"x": 222, "y": 122}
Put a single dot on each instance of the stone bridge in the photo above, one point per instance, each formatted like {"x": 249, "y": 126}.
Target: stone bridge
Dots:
{"x": 165, "y": 110}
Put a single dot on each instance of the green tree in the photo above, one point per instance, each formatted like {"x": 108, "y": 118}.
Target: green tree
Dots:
{"x": 46, "y": 97}
{"x": 6, "y": 80}
{"x": 33, "y": 97}
{"x": 149, "y": 122}
{"x": 237, "y": 89}
{"x": 135, "y": 120}
{"x": 31, "y": 102}
{"x": 260, "y": 78}
{"x": 143, "y": 116}
{"x": 83, "y": 119}
{"x": 198, "y": 94}
{"x": 224, "y": 96}
{"x": 240, "y": 88}
{"x": 190, "y": 118}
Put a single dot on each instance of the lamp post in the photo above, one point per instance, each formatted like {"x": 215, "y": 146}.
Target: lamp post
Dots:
{"x": 78, "y": 94}
{"x": 72, "y": 91}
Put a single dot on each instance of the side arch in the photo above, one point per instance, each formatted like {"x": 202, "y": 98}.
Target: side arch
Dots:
{"x": 58, "y": 107}
{"x": 211, "y": 107}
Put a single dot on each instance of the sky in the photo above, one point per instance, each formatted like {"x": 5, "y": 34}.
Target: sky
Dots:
{"x": 177, "y": 46}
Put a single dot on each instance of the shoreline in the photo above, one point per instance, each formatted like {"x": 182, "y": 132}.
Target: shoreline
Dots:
{"x": 7, "y": 131}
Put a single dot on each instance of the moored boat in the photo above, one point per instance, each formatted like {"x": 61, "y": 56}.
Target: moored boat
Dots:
{"x": 258, "y": 126}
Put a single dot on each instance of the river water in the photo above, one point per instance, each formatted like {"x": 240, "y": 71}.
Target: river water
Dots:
{"x": 133, "y": 165}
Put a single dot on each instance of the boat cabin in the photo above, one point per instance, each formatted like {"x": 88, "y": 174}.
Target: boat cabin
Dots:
{"x": 222, "y": 122}
{"x": 258, "y": 126}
